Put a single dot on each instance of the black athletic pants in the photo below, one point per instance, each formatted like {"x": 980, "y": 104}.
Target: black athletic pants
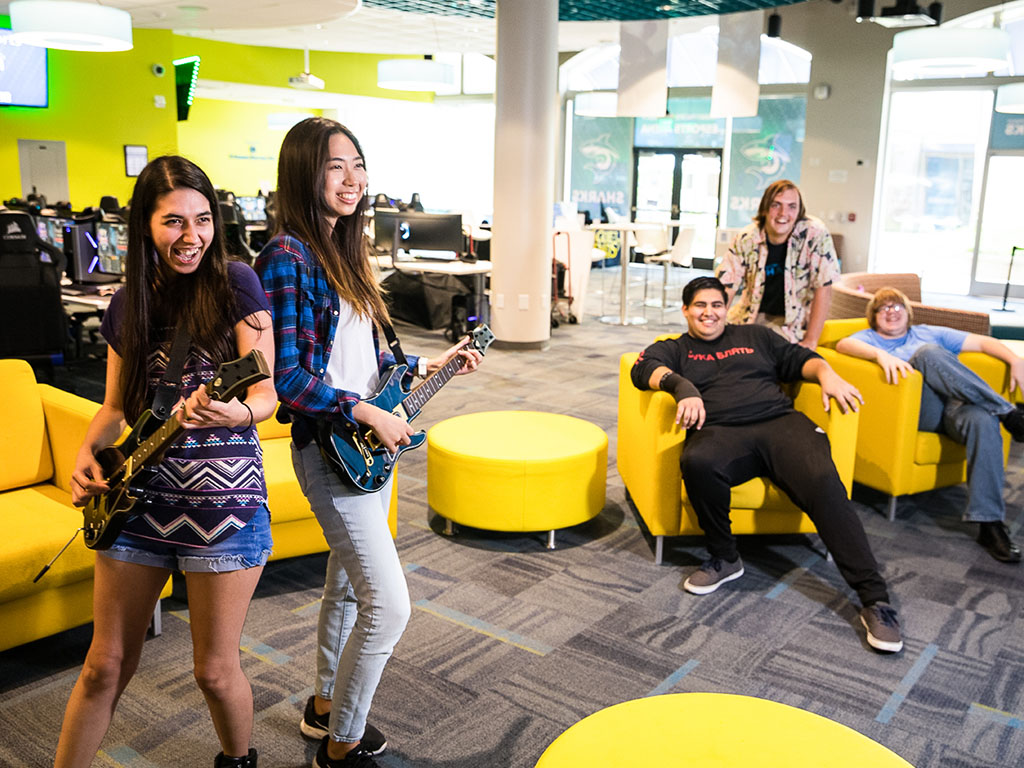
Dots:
{"x": 795, "y": 455}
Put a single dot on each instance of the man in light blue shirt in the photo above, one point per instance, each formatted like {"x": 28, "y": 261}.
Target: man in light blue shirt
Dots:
{"x": 954, "y": 401}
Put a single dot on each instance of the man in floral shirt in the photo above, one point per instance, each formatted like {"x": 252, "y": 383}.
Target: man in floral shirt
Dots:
{"x": 781, "y": 267}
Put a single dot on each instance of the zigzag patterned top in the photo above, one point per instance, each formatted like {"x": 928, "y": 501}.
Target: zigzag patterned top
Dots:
{"x": 210, "y": 483}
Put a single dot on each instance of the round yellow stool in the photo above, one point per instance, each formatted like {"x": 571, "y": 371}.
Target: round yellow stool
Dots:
{"x": 701, "y": 730}
{"x": 516, "y": 471}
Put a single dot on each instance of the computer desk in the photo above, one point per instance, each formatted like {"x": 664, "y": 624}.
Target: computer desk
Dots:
{"x": 81, "y": 308}
{"x": 478, "y": 270}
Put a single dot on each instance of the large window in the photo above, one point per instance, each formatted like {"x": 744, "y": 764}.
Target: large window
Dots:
{"x": 935, "y": 155}
{"x": 1001, "y": 222}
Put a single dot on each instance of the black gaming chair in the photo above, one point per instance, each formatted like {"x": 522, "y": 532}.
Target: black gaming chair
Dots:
{"x": 32, "y": 322}
{"x": 234, "y": 233}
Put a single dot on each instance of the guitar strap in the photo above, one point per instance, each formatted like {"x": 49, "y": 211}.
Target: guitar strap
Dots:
{"x": 170, "y": 383}
{"x": 393, "y": 345}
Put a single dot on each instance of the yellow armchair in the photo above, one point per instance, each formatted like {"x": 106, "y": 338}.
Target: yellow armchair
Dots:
{"x": 892, "y": 455}
{"x": 650, "y": 445}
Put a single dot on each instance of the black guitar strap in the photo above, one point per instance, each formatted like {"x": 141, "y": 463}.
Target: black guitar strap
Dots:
{"x": 170, "y": 383}
{"x": 393, "y": 345}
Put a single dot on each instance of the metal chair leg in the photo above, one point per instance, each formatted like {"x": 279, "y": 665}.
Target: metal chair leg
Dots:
{"x": 659, "y": 549}
{"x": 891, "y": 512}
{"x": 156, "y": 626}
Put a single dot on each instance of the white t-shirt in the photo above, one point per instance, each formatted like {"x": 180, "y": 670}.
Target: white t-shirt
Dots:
{"x": 352, "y": 363}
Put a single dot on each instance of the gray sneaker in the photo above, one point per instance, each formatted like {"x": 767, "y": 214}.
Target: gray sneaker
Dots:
{"x": 712, "y": 574}
{"x": 883, "y": 626}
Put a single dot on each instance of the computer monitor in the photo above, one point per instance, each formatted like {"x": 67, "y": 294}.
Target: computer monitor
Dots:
{"x": 418, "y": 231}
{"x": 51, "y": 229}
{"x": 82, "y": 248}
{"x": 254, "y": 209}
{"x": 111, "y": 247}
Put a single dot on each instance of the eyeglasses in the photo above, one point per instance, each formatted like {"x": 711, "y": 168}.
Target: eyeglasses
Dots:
{"x": 892, "y": 308}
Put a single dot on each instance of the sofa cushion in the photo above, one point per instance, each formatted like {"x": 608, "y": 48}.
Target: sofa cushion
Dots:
{"x": 284, "y": 497}
{"x": 37, "y": 522}
{"x": 24, "y": 450}
{"x": 932, "y": 448}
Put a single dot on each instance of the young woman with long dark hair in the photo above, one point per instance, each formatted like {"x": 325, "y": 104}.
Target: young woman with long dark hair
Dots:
{"x": 206, "y": 514}
{"x": 327, "y": 309}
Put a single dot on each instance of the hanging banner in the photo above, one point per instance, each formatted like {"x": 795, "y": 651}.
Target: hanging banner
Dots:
{"x": 643, "y": 77}
{"x": 736, "y": 89}
{"x": 764, "y": 149}
{"x": 602, "y": 164}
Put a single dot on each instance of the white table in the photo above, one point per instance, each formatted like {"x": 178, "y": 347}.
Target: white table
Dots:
{"x": 625, "y": 227}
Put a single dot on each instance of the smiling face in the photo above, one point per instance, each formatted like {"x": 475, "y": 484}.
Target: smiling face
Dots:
{"x": 181, "y": 227}
{"x": 344, "y": 178}
{"x": 783, "y": 213}
{"x": 892, "y": 320}
{"x": 705, "y": 314}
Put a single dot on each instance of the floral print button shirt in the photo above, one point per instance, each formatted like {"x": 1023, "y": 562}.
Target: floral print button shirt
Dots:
{"x": 811, "y": 263}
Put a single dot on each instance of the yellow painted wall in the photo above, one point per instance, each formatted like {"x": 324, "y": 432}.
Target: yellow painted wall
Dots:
{"x": 231, "y": 142}
{"x": 351, "y": 73}
{"x": 98, "y": 103}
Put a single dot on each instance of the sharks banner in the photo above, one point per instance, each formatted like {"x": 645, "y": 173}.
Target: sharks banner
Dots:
{"x": 764, "y": 148}
{"x": 602, "y": 164}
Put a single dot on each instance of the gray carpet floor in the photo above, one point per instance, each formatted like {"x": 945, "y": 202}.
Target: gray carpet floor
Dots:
{"x": 509, "y": 643}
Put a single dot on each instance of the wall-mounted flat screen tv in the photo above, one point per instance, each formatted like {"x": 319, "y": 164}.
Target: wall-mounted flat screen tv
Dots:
{"x": 23, "y": 80}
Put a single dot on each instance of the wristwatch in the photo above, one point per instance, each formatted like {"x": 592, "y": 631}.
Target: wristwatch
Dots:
{"x": 421, "y": 367}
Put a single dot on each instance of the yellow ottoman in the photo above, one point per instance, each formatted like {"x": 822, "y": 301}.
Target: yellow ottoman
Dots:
{"x": 516, "y": 471}
{"x": 700, "y": 730}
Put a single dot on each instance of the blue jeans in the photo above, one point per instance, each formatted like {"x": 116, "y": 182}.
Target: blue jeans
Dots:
{"x": 957, "y": 402}
{"x": 249, "y": 547}
{"x": 365, "y": 604}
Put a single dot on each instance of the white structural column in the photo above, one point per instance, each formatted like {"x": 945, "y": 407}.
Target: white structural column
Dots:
{"x": 525, "y": 132}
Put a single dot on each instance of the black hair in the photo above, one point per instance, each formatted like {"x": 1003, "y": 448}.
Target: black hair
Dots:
{"x": 702, "y": 284}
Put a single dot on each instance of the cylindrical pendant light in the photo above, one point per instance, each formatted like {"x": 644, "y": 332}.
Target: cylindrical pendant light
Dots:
{"x": 71, "y": 26}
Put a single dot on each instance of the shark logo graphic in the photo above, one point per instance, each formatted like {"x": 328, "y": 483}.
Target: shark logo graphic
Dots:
{"x": 767, "y": 156}
{"x": 600, "y": 156}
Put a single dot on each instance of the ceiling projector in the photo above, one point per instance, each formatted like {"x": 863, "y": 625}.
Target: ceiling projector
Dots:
{"x": 306, "y": 81}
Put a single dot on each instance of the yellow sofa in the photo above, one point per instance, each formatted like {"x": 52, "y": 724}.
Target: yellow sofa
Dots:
{"x": 43, "y": 430}
{"x": 650, "y": 445}
{"x": 892, "y": 455}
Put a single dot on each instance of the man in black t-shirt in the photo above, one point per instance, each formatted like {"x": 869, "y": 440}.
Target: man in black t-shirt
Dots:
{"x": 726, "y": 381}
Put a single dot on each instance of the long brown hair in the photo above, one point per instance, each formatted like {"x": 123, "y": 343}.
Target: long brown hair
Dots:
{"x": 302, "y": 212}
{"x": 775, "y": 189}
{"x": 156, "y": 297}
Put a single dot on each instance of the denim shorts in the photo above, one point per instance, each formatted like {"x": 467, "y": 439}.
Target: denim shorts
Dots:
{"x": 247, "y": 548}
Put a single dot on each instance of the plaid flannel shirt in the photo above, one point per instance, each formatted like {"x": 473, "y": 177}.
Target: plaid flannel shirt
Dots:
{"x": 305, "y": 310}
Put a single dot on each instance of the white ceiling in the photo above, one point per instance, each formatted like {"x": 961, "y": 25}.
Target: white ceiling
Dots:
{"x": 338, "y": 25}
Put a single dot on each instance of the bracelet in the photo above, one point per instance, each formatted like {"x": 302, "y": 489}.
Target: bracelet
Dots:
{"x": 247, "y": 426}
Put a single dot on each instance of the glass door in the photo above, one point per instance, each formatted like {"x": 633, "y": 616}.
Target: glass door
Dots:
{"x": 681, "y": 186}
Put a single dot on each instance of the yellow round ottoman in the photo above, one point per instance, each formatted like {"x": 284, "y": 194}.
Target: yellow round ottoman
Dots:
{"x": 701, "y": 730}
{"x": 516, "y": 471}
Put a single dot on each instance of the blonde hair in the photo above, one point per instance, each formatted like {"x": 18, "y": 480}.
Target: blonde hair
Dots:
{"x": 885, "y": 296}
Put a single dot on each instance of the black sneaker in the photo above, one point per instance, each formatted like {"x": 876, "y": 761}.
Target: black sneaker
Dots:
{"x": 356, "y": 758}
{"x": 316, "y": 726}
{"x": 712, "y": 574}
{"x": 883, "y": 626}
{"x": 249, "y": 761}
{"x": 995, "y": 538}
{"x": 1014, "y": 423}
